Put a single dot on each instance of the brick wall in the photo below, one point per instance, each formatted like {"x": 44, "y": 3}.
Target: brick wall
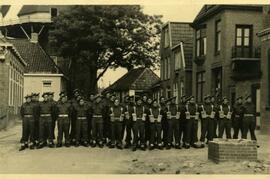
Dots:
{"x": 221, "y": 150}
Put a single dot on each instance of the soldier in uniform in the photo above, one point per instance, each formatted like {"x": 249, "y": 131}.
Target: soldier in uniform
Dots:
{"x": 54, "y": 117}
{"x": 207, "y": 121}
{"x": 28, "y": 124}
{"x": 74, "y": 103}
{"x": 90, "y": 116}
{"x": 139, "y": 117}
{"x": 147, "y": 105}
{"x": 117, "y": 117}
{"x": 249, "y": 120}
{"x": 164, "y": 121}
{"x": 215, "y": 104}
{"x": 182, "y": 121}
{"x": 128, "y": 107}
{"x": 63, "y": 112}
{"x": 225, "y": 122}
{"x": 238, "y": 117}
{"x": 191, "y": 130}
{"x": 155, "y": 126}
{"x": 82, "y": 111}
{"x": 97, "y": 122}
{"x": 35, "y": 101}
{"x": 106, "y": 117}
{"x": 173, "y": 116}
{"x": 45, "y": 122}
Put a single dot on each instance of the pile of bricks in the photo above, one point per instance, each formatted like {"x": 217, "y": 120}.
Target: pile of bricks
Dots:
{"x": 220, "y": 150}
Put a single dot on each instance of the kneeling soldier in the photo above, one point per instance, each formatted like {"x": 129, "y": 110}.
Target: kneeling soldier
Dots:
{"x": 155, "y": 126}
{"x": 63, "y": 111}
{"x": 139, "y": 118}
{"x": 81, "y": 111}
{"x": 173, "y": 116}
{"x": 117, "y": 117}
{"x": 225, "y": 122}
{"x": 97, "y": 122}
{"x": 28, "y": 124}
{"x": 207, "y": 122}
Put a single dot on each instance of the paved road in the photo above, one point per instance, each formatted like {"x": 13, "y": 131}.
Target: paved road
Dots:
{"x": 112, "y": 161}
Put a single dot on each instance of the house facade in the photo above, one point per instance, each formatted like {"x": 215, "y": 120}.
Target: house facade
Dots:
{"x": 176, "y": 59}
{"x": 12, "y": 67}
{"x": 227, "y": 52}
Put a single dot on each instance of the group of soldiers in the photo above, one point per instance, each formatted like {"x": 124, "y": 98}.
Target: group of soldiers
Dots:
{"x": 140, "y": 121}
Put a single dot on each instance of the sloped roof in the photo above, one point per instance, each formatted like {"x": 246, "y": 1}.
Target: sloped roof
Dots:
{"x": 28, "y": 9}
{"x": 210, "y": 10}
{"x": 37, "y": 59}
{"x": 135, "y": 79}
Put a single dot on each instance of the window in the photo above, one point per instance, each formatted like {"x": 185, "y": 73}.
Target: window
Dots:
{"x": 178, "y": 60}
{"x": 217, "y": 80}
{"x": 46, "y": 87}
{"x": 54, "y": 12}
{"x": 218, "y": 37}
{"x": 243, "y": 41}
{"x": 200, "y": 81}
{"x": 201, "y": 42}
{"x": 175, "y": 91}
{"x": 166, "y": 38}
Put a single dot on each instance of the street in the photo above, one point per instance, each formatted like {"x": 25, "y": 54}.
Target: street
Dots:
{"x": 112, "y": 161}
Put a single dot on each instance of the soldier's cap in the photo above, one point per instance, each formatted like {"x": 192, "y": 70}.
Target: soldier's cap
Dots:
{"x": 154, "y": 100}
{"x": 170, "y": 99}
{"x": 76, "y": 90}
{"x": 28, "y": 96}
{"x": 98, "y": 96}
{"x": 239, "y": 97}
{"x": 207, "y": 97}
{"x": 45, "y": 94}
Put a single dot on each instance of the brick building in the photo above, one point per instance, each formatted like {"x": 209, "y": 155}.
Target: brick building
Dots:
{"x": 135, "y": 82}
{"x": 265, "y": 68}
{"x": 12, "y": 67}
{"x": 176, "y": 59}
{"x": 227, "y": 52}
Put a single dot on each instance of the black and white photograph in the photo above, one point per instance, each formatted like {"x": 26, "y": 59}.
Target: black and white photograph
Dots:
{"x": 175, "y": 88}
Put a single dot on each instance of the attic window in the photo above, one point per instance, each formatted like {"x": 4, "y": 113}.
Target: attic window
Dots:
{"x": 54, "y": 12}
{"x": 47, "y": 83}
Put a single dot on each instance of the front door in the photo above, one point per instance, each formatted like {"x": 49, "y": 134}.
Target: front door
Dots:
{"x": 256, "y": 95}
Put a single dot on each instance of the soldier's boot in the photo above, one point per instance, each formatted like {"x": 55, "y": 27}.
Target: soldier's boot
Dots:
{"x": 32, "y": 146}
{"x": 112, "y": 145}
{"x": 77, "y": 144}
{"x": 40, "y": 145}
{"x": 108, "y": 143}
{"x": 94, "y": 143}
{"x": 23, "y": 147}
{"x": 177, "y": 146}
{"x": 134, "y": 147}
{"x": 127, "y": 145}
{"x": 59, "y": 144}
{"x": 160, "y": 146}
{"x": 51, "y": 145}
{"x": 67, "y": 144}
{"x": 151, "y": 147}
{"x": 186, "y": 145}
{"x": 119, "y": 146}
{"x": 143, "y": 147}
{"x": 168, "y": 146}
{"x": 100, "y": 144}
{"x": 85, "y": 144}
{"x": 202, "y": 144}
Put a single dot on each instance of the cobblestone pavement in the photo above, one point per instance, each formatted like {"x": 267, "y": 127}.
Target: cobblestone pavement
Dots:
{"x": 112, "y": 161}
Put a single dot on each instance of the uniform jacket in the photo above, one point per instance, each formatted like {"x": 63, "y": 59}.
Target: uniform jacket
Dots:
{"x": 27, "y": 109}
{"x": 173, "y": 109}
{"x": 155, "y": 111}
{"x": 249, "y": 108}
{"x": 238, "y": 110}
{"x": 82, "y": 110}
{"x": 226, "y": 108}
{"x": 208, "y": 108}
{"x": 139, "y": 110}
{"x": 117, "y": 110}
{"x": 192, "y": 108}
{"x": 64, "y": 108}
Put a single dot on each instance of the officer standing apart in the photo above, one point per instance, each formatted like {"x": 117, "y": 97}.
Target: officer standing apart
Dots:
{"x": 225, "y": 121}
{"x": 237, "y": 116}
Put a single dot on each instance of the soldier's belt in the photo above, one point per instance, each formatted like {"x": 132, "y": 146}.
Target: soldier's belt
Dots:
{"x": 173, "y": 117}
{"x": 45, "y": 115}
{"x": 81, "y": 117}
{"x": 248, "y": 115}
{"x": 117, "y": 119}
{"x": 63, "y": 115}
{"x": 237, "y": 115}
{"x": 28, "y": 115}
{"x": 97, "y": 115}
{"x": 192, "y": 116}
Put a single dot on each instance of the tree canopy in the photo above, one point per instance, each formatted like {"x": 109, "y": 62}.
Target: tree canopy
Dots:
{"x": 103, "y": 37}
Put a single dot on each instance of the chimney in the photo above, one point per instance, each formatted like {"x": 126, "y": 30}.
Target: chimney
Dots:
{"x": 34, "y": 38}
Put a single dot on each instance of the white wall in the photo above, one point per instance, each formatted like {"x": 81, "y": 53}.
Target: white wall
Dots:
{"x": 34, "y": 84}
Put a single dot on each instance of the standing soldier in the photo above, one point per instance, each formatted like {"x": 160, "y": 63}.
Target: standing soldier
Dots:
{"x": 225, "y": 121}
{"x": 45, "y": 123}
{"x": 182, "y": 121}
{"x": 106, "y": 117}
{"x": 35, "y": 102}
{"x": 97, "y": 122}
{"x": 155, "y": 126}
{"x": 164, "y": 121}
{"x": 238, "y": 117}
{"x": 207, "y": 122}
{"x": 74, "y": 103}
{"x": 147, "y": 122}
{"x": 215, "y": 104}
{"x": 82, "y": 112}
{"x": 128, "y": 107}
{"x": 28, "y": 123}
{"x": 117, "y": 117}
{"x": 249, "y": 120}
{"x": 191, "y": 130}
{"x": 54, "y": 117}
{"x": 173, "y": 116}
{"x": 90, "y": 116}
{"x": 63, "y": 112}
{"x": 139, "y": 117}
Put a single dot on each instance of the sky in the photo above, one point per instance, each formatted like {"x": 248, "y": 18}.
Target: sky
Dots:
{"x": 170, "y": 12}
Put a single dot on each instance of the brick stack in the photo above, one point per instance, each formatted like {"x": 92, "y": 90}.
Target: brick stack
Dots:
{"x": 221, "y": 150}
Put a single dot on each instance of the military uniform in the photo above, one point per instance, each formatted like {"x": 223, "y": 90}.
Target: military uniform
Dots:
{"x": 155, "y": 127}
{"x": 53, "y": 114}
{"x": 225, "y": 123}
{"x": 215, "y": 135}
{"x": 36, "y": 103}
{"x": 64, "y": 111}
{"x": 90, "y": 116}
{"x": 249, "y": 120}
{"x": 117, "y": 117}
{"x": 106, "y": 118}
{"x": 28, "y": 124}
{"x": 164, "y": 122}
{"x": 173, "y": 126}
{"x": 182, "y": 121}
{"x": 139, "y": 126}
{"x": 127, "y": 127}
{"x": 147, "y": 121}
{"x": 97, "y": 124}
{"x": 82, "y": 112}
{"x": 237, "y": 119}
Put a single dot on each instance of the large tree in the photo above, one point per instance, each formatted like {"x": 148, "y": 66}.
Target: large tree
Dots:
{"x": 97, "y": 38}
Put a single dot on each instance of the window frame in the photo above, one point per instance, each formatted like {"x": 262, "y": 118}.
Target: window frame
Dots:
{"x": 242, "y": 47}
{"x": 201, "y": 42}
{"x": 200, "y": 82}
{"x": 217, "y": 36}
